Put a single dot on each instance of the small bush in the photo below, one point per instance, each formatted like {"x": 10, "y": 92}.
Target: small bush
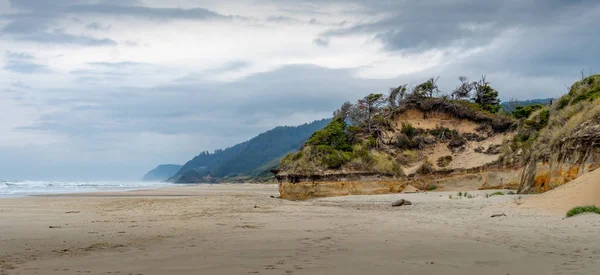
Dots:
{"x": 457, "y": 144}
{"x": 429, "y": 139}
{"x": 473, "y": 137}
{"x": 583, "y": 209}
{"x": 419, "y": 141}
{"x": 443, "y": 133}
{"x": 408, "y": 157}
{"x": 589, "y": 96}
{"x": 335, "y": 160}
{"x": 523, "y": 112}
{"x": 371, "y": 142}
{"x": 426, "y": 168}
{"x": 562, "y": 102}
{"x": 408, "y": 130}
{"x": 444, "y": 161}
{"x": 432, "y": 187}
{"x": 503, "y": 123}
{"x": 333, "y": 135}
{"x": 402, "y": 141}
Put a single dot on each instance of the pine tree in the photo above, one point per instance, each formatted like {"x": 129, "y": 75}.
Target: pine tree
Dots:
{"x": 486, "y": 96}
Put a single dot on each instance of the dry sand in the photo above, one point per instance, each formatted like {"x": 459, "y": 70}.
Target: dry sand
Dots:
{"x": 239, "y": 229}
{"x": 583, "y": 191}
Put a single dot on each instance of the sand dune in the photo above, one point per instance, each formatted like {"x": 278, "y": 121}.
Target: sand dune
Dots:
{"x": 584, "y": 190}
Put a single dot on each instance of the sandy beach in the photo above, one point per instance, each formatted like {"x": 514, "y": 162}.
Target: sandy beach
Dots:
{"x": 240, "y": 229}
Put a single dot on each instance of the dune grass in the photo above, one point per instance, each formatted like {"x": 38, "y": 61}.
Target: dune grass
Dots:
{"x": 583, "y": 209}
{"x": 494, "y": 194}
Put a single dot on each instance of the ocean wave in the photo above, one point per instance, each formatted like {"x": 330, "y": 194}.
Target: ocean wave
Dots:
{"x": 53, "y": 187}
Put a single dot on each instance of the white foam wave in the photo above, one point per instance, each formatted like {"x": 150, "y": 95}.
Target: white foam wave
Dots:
{"x": 22, "y": 188}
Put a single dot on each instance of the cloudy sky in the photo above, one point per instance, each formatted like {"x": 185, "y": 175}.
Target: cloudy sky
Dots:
{"x": 108, "y": 89}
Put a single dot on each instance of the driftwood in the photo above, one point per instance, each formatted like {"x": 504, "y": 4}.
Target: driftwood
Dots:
{"x": 401, "y": 203}
{"x": 498, "y": 215}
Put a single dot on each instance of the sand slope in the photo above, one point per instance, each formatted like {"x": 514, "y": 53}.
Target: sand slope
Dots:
{"x": 410, "y": 189}
{"x": 584, "y": 190}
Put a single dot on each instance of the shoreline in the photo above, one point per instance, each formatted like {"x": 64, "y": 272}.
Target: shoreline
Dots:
{"x": 99, "y": 189}
{"x": 240, "y": 229}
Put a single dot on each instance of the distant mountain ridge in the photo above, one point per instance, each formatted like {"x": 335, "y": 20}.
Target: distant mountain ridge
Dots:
{"x": 510, "y": 106}
{"x": 249, "y": 160}
{"x": 162, "y": 172}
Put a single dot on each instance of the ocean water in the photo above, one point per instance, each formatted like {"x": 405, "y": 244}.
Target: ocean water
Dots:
{"x": 25, "y": 188}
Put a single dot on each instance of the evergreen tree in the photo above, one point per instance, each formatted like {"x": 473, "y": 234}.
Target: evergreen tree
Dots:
{"x": 486, "y": 96}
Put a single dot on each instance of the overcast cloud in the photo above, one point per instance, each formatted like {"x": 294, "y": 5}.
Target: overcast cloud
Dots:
{"x": 93, "y": 89}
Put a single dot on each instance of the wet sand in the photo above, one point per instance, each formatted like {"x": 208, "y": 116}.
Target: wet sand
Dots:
{"x": 239, "y": 229}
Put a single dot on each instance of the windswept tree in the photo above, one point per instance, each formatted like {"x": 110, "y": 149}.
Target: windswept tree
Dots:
{"x": 396, "y": 96}
{"x": 486, "y": 96}
{"x": 343, "y": 111}
{"x": 365, "y": 110}
{"x": 464, "y": 89}
{"x": 428, "y": 88}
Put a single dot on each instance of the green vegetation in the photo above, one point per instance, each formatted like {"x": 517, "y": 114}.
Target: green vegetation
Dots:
{"x": 333, "y": 135}
{"x": 587, "y": 89}
{"x": 249, "y": 159}
{"x": 549, "y": 126}
{"x": 486, "y": 96}
{"x": 461, "y": 195}
{"x": 432, "y": 187}
{"x": 511, "y": 105}
{"x": 443, "y": 133}
{"x": 522, "y": 112}
{"x": 408, "y": 130}
{"x": 364, "y": 137}
{"x": 494, "y": 194}
{"x": 583, "y": 209}
{"x": 539, "y": 119}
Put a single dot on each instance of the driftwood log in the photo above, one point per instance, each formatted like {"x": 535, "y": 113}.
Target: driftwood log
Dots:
{"x": 498, "y": 215}
{"x": 401, "y": 203}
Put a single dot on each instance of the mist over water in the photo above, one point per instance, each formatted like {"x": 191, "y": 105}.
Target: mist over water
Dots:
{"x": 25, "y": 188}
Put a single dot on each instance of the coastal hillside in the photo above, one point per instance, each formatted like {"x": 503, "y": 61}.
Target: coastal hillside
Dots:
{"x": 561, "y": 142}
{"x": 463, "y": 140}
{"x": 162, "y": 172}
{"x": 250, "y": 160}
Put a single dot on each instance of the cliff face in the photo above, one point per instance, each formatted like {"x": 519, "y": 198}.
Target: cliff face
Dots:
{"x": 300, "y": 188}
{"x": 436, "y": 143}
{"x": 443, "y": 152}
{"x": 568, "y": 144}
{"x": 569, "y": 158}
